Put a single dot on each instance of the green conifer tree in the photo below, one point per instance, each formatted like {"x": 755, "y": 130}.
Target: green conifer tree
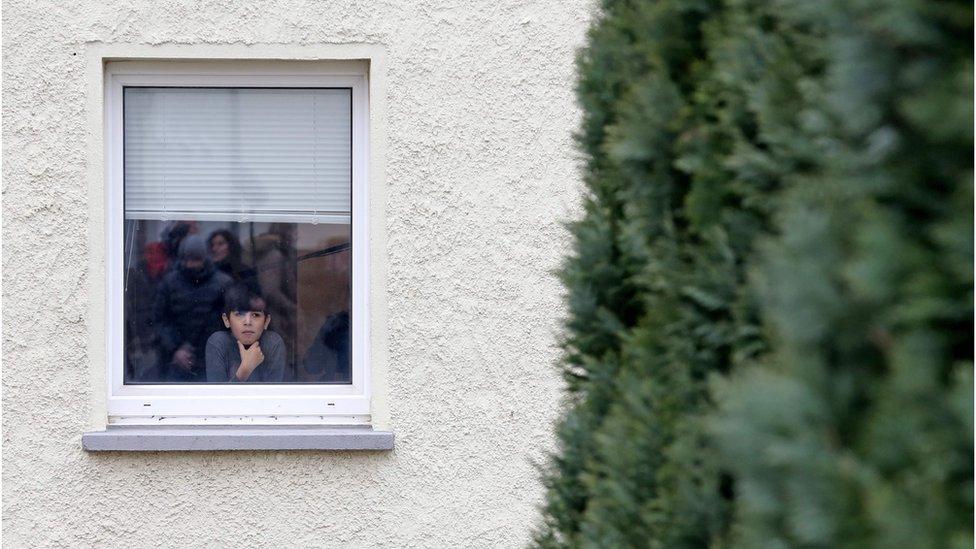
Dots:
{"x": 678, "y": 186}
{"x": 834, "y": 138}
{"x": 855, "y": 429}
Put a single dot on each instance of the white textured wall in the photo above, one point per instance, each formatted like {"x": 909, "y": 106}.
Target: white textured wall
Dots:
{"x": 480, "y": 172}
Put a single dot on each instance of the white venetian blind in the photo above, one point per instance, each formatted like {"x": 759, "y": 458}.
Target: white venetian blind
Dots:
{"x": 237, "y": 154}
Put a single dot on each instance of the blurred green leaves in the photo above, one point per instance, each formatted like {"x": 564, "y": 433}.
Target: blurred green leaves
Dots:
{"x": 769, "y": 339}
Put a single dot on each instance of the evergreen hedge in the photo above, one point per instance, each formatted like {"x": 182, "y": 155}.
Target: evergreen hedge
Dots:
{"x": 769, "y": 339}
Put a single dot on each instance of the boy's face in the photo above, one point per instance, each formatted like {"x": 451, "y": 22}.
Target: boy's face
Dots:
{"x": 247, "y": 326}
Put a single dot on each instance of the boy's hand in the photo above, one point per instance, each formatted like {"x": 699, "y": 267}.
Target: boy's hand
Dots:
{"x": 250, "y": 359}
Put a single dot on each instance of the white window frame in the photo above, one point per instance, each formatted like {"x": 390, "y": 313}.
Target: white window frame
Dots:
{"x": 236, "y": 403}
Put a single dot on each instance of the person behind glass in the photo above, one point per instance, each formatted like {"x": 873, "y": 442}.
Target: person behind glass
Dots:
{"x": 142, "y": 351}
{"x": 173, "y": 235}
{"x": 226, "y": 252}
{"x": 187, "y": 310}
{"x": 328, "y": 358}
{"x": 275, "y": 261}
{"x": 247, "y": 350}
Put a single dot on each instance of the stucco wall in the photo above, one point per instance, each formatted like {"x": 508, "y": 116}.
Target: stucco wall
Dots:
{"x": 479, "y": 173}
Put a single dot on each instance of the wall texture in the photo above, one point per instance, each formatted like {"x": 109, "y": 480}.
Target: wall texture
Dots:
{"x": 480, "y": 173}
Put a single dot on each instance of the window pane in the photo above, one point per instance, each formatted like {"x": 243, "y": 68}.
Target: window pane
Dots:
{"x": 237, "y": 235}
{"x": 286, "y": 286}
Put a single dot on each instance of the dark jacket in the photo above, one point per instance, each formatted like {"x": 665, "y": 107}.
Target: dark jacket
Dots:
{"x": 240, "y": 273}
{"x": 186, "y": 311}
{"x": 328, "y": 358}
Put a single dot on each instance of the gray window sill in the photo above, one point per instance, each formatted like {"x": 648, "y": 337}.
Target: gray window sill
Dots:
{"x": 130, "y": 438}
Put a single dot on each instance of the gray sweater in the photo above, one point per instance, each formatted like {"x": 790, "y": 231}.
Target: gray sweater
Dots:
{"x": 223, "y": 358}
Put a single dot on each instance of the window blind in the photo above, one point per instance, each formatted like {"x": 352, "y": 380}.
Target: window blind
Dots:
{"x": 237, "y": 154}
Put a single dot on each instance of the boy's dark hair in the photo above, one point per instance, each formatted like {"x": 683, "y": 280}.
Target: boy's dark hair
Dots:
{"x": 241, "y": 297}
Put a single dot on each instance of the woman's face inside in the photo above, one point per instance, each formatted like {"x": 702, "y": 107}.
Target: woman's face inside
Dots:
{"x": 219, "y": 247}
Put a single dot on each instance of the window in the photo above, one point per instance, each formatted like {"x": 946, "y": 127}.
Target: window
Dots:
{"x": 237, "y": 242}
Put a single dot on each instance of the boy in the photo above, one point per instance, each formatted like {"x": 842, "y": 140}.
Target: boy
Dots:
{"x": 248, "y": 351}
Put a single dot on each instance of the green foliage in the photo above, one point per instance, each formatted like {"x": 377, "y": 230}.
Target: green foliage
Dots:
{"x": 856, "y": 428}
{"x": 770, "y": 296}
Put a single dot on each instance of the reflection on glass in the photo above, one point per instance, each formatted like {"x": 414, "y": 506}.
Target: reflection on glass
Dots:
{"x": 227, "y": 302}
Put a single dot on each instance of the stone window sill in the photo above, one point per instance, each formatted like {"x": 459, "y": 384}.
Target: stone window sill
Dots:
{"x": 155, "y": 438}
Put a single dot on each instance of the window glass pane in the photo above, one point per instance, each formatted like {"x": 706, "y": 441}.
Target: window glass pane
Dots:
{"x": 191, "y": 306}
{"x": 237, "y": 236}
